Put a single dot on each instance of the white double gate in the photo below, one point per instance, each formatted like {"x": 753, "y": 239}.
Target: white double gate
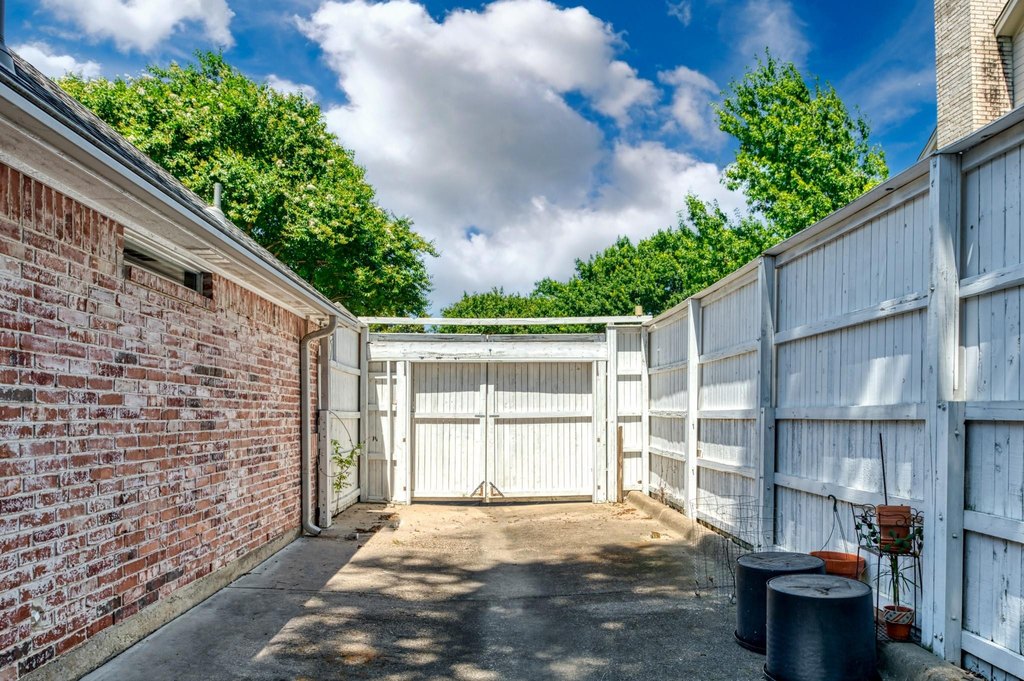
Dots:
{"x": 488, "y": 430}
{"x": 503, "y": 430}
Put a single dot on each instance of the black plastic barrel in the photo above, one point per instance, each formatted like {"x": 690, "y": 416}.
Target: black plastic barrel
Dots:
{"x": 820, "y": 628}
{"x": 753, "y": 570}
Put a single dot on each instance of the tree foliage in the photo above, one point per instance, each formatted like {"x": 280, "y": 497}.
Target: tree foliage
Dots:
{"x": 663, "y": 269}
{"x": 801, "y": 155}
{"x": 287, "y": 181}
{"x": 496, "y": 303}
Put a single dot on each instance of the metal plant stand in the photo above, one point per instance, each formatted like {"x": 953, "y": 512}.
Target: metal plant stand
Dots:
{"x": 907, "y": 552}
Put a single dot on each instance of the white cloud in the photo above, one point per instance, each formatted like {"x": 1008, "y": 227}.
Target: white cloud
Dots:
{"x": 681, "y": 10}
{"x": 54, "y": 65}
{"x": 464, "y": 125}
{"x": 645, "y": 191}
{"x": 289, "y": 87}
{"x": 772, "y": 24}
{"x": 144, "y": 24}
{"x": 691, "y": 104}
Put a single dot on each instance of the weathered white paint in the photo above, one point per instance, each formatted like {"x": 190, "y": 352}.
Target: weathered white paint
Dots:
{"x": 552, "y": 452}
{"x": 449, "y": 428}
{"x": 339, "y": 419}
{"x": 493, "y": 429}
{"x": 626, "y": 395}
{"x": 505, "y": 321}
{"x": 474, "y": 348}
{"x": 668, "y": 402}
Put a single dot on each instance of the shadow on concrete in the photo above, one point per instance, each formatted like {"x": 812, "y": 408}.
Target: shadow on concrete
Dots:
{"x": 512, "y": 593}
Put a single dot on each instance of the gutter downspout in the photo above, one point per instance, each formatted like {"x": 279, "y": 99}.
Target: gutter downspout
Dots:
{"x": 306, "y": 431}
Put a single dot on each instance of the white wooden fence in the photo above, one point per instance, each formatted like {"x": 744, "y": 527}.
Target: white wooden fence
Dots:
{"x": 899, "y": 316}
{"x": 342, "y": 358}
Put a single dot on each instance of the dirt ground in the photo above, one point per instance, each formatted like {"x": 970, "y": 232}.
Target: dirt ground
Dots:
{"x": 539, "y": 591}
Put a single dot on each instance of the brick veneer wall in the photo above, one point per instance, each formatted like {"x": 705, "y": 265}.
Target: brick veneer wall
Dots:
{"x": 973, "y": 70}
{"x": 149, "y": 435}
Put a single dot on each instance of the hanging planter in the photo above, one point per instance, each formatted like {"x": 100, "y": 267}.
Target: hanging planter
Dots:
{"x": 850, "y": 565}
{"x": 841, "y": 564}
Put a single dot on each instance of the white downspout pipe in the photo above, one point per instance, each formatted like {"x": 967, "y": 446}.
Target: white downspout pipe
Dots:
{"x": 306, "y": 438}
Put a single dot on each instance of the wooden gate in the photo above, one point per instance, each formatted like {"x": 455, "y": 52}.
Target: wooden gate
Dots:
{"x": 503, "y": 430}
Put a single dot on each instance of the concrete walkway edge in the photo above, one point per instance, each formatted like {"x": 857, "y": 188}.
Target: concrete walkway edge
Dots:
{"x": 687, "y": 528}
{"x": 911, "y": 662}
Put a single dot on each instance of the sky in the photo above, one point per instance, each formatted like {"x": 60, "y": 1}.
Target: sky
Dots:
{"x": 519, "y": 135}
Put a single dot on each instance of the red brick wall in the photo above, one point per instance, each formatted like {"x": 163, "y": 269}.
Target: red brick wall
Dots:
{"x": 148, "y": 435}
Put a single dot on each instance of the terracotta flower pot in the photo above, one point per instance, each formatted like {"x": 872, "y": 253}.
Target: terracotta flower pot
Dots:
{"x": 893, "y": 525}
{"x": 898, "y": 621}
{"x": 842, "y": 564}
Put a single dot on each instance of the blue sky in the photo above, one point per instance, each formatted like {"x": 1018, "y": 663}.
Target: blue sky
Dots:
{"x": 521, "y": 134}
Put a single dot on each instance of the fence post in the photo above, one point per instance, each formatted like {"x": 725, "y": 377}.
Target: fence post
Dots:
{"x": 645, "y": 404}
{"x": 693, "y": 345}
{"x": 766, "y": 401}
{"x": 364, "y": 412}
{"x": 603, "y": 468}
{"x": 951, "y": 435}
{"x": 942, "y": 590}
{"x": 611, "y": 409}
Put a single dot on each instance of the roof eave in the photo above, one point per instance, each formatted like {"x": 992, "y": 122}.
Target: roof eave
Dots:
{"x": 201, "y": 221}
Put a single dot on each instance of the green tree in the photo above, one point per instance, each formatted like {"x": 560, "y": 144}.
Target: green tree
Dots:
{"x": 287, "y": 181}
{"x": 496, "y": 303}
{"x": 663, "y": 269}
{"x": 801, "y": 155}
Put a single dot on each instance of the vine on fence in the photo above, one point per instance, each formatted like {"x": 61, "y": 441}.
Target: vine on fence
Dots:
{"x": 343, "y": 462}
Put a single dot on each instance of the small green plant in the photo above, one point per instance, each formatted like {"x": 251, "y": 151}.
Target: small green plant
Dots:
{"x": 343, "y": 462}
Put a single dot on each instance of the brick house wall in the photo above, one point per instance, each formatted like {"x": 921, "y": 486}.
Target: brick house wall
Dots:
{"x": 973, "y": 69}
{"x": 149, "y": 434}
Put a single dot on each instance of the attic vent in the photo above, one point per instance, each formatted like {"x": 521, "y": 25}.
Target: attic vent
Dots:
{"x": 165, "y": 267}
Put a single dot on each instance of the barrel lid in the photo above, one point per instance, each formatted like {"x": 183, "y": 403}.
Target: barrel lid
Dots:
{"x": 818, "y": 586}
{"x": 779, "y": 561}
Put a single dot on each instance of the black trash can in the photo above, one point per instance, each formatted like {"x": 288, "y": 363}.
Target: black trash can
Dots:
{"x": 820, "y": 628}
{"x": 753, "y": 571}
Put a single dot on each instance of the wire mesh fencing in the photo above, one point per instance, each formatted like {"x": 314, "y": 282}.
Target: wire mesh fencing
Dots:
{"x": 737, "y": 527}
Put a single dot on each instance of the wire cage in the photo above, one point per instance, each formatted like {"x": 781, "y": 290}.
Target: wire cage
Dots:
{"x": 738, "y": 527}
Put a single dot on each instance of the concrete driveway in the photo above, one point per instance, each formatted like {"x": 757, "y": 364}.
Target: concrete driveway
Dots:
{"x": 546, "y": 591}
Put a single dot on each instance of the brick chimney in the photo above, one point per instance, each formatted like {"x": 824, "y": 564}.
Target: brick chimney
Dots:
{"x": 973, "y": 67}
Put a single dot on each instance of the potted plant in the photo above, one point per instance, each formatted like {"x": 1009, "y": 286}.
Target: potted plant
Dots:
{"x": 893, "y": 527}
{"x": 893, "y": 520}
{"x": 898, "y": 617}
